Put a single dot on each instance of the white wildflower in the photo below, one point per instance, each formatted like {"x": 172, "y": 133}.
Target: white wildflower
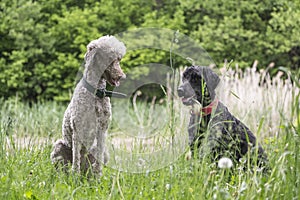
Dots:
{"x": 168, "y": 186}
{"x": 225, "y": 163}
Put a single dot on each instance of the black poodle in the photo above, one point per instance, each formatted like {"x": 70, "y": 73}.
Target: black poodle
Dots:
{"x": 212, "y": 128}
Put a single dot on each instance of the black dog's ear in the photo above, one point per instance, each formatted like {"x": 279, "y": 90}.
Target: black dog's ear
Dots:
{"x": 211, "y": 78}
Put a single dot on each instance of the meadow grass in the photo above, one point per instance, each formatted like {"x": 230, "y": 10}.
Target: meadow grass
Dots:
{"x": 27, "y": 133}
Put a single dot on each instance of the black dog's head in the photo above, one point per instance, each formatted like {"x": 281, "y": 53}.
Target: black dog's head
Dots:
{"x": 198, "y": 82}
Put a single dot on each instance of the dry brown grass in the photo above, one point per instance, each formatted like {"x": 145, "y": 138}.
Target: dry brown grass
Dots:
{"x": 253, "y": 96}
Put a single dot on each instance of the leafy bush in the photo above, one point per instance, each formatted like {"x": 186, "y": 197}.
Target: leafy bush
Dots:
{"x": 42, "y": 43}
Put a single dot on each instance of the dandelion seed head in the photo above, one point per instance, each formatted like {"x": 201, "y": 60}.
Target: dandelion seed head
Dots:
{"x": 225, "y": 163}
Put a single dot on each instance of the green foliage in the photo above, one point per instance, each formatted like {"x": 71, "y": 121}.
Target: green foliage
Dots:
{"x": 246, "y": 31}
{"x": 42, "y": 43}
{"x": 26, "y": 43}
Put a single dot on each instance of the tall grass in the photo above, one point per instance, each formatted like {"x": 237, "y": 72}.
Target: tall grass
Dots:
{"x": 25, "y": 124}
{"x": 254, "y": 97}
{"x": 145, "y": 137}
{"x": 269, "y": 106}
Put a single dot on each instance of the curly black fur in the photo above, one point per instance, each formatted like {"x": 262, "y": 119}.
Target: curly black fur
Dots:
{"x": 219, "y": 134}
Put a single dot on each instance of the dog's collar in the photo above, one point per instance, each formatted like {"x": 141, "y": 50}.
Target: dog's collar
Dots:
{"x": 207, "y": 109}
{"x": 101, "y": 93}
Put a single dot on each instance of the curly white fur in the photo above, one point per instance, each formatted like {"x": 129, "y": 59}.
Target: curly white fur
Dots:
{"x": 109, "y": 43}
{"x": 87, "y": 117}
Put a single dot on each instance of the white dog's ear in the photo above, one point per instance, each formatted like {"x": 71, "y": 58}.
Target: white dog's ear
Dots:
{"x": 97, "y": 62}
{"x": 100, "y": 59}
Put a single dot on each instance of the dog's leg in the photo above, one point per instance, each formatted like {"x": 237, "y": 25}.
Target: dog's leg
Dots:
{"x": 94, "y": 152}
{"x": 97, "y": 166}
{"x": 62, "y": 151}
{"x": 93, "y": 158}
{"x": 61, "y": 154}
{"x": 76, "y": 148}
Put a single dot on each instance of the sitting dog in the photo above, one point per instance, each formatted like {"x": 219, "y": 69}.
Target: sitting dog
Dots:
{"x": 87, "y": 117}
{"x": 212, "y": 128}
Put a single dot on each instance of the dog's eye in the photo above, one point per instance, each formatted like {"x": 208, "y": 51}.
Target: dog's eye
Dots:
{"x": 194, "y": 79}
{"x": 116, "y": 62}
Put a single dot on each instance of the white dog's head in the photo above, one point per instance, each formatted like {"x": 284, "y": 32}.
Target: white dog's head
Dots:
{"x": 108, "y": 43}
{"x": 107, "y": 51}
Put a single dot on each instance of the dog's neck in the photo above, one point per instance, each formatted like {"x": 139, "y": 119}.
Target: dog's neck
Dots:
{"x": 206, "y": 110}
{"x": 207, "y": 97}
{"x": 99, "y": 83}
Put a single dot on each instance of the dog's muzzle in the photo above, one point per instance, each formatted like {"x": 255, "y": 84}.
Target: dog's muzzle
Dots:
{"x": 186, "y": 100}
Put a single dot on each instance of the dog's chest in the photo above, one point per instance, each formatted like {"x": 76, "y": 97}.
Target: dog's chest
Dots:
{"x": 103, "y": 112}
{"x": 103, "y": 108}
{"x": 197, "y": 128}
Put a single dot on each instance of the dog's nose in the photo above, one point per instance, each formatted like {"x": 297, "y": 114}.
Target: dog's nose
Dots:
{"x": 180, "y": 92}
{"x": 122, "y": 77}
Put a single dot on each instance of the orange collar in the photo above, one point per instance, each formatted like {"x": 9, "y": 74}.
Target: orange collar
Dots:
{"x": 207, "y": 109}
